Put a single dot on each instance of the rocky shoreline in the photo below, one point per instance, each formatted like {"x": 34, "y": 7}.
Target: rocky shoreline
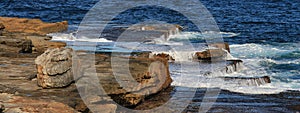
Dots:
{"x": 37, "y": 76}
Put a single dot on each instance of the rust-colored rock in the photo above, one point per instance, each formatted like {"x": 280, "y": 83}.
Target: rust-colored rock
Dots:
{"x": 221, "y": 46}
{"x": 32, "y": 26}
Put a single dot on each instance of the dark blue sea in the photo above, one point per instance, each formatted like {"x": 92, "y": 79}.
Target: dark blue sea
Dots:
{"x": 265, "y": 34}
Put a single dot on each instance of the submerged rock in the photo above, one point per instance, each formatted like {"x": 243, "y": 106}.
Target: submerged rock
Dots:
{"x": 54, "y": 68}
{"x": 32, "y": 26}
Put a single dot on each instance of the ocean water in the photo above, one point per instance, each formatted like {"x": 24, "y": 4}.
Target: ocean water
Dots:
{"x": 265, "y": 34}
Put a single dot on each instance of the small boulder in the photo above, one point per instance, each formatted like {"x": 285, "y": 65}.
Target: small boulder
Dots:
{"x": 54, "y": 68}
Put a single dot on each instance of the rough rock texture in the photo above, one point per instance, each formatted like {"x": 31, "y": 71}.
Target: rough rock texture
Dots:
{"x": 164, "y": 56}
{"x": 210, "y": 54}
{"x": 2, "y": 27}
{"x": 221, "y": 46}
{"x": 16, "y": 79}
{"x": 16, "y": 45}
{"x": 32, "y": 26}
{"x": 128, "y": 86}
{"x": 54, "y": 68}
{"x": 17, "y": 104}
{"x": 13, "y": 43}
{"x": 42, "y": 43}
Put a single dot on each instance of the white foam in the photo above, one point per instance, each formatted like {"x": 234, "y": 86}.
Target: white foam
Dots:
{"x": 71, "y": 37}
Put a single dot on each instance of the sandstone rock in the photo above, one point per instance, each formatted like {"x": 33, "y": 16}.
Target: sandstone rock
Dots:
{"x": 21, "y": 45}
{"x": 128, "y": 86}
{"x": 17, "y": 104}
{"x": 210, "y": 54}
{"x": 54, "y": 68}
{"x": 32, "y": 26}
{"x": 42, "y": 43}
{"x": 221, "y": 46}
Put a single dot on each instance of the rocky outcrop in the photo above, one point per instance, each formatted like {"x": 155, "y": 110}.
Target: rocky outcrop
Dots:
{"x": 16, "y": 104}
{"x": 16, "y": 45}
{"x": 11, "y": 44}
{"x": 151, "y": 75}
{"x": 210, "y": 54}
{"x": 32, "y": 26}
{"x": 42, "y": 43}
{"x": 54, "y": 68}
{"x": 221, "y": 46}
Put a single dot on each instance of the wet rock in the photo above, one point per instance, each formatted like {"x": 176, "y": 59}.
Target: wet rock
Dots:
{"x": 221, "y": 46}
{"x": 54, "y": 68}
{"x": 249, "y": 81}
{"x": 32, "y": 26}
{"x": 210, "y": 54}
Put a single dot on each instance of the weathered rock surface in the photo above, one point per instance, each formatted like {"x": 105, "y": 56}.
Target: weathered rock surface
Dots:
{"x": 2, "y": 27}
{"x": 32, "y": 26}
{"x": 17, "y": 104}
{"x": 54, "y": 68}
{"x": 16, "y": 45}
{"x": 11, "y": 44}
{"x": 210, "y": 54}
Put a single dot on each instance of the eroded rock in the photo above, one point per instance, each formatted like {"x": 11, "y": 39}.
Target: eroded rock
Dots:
{"x": 210, "y": 54}
{"x": 17, "y": 104}
{"x": 54, "y": 68}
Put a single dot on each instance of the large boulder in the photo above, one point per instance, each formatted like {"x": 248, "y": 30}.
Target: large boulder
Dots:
{"x": 32, "y": 26}
{"x": 54, "y": 68}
